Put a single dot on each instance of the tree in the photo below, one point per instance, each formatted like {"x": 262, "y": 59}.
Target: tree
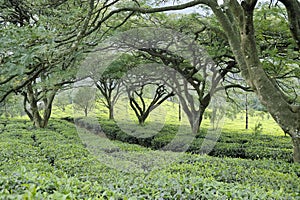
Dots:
{"x": 63, "y": 99}
{"x": 32, "y": 58}
{"x": 146, "y": 89}
{"x": 23, "y": 56}
{"x": 11, "y": 107}
{"x": 237, "y": 21}
{"x": 40, "y": 93}
{"x": 138, "y": 103}
{"x": 108, "y": 82}
{"x": 37, "y": 103}
{"x": 85, "y": 99}
{"x": 193, "y": 76}
{"x": 108, "y": 86}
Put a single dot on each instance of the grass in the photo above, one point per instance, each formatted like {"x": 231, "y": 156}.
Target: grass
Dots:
{"x": 270, "y": 127}
{"x": 167, "y": 113}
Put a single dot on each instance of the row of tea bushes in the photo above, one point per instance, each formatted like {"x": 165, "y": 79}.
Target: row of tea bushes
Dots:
{"x": 237, "y": 145}
{"x": 55, "y": 163}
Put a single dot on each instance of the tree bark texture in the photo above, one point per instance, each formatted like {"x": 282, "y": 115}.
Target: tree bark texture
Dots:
{"x": 241, "y": 36}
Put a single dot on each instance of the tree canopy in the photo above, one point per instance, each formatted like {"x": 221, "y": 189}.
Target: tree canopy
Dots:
{"x": 46, "y": 40}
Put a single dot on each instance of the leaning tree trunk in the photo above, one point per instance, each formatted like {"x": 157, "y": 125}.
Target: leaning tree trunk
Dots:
{"x": 27, "y": 111}
{"x": 48, "y": 102}
{"x": 293, "y": 7}
{"x": 296, "y": 143}
{"x": 241, "y": 37}
{"x": 268, "y": 93}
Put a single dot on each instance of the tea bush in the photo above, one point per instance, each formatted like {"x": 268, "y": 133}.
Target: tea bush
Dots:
{"x": 237, "y": 145}
{"x": 61, "y": 162}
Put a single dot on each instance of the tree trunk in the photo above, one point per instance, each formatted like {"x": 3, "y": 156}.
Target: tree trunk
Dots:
{"x": 111, "y": 112}
{"x": 25, "y": 106}
{"x": 195, "y": 120}
{"x": 142, "y": 120}
{"x": 35, "y": 115}
{"x": 47, "y": 114}
{"x": 34, "y": 111}
{"x": 293, "y": 7}
{"x": 48, "y": 102}
{"x": 247, "y": 116}
{"x": 179, "y": 112}
{"x": 194, "y": 116}
{"x": 85, "y": 112}
{"x": 37, "y": 123}
{"x": 195, "y": 126}
{"x": 266, "y": 90}
{"x": 296, "y": 143}
{"x": 143, "y": 117}
{"x": 241, "y": 37}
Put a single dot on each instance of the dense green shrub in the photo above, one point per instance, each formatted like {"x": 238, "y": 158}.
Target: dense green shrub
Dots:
{"x": 257, "y": 152}
{"x": 228, "y": 144}
{"x": 162, "y": 140}
{"x": 234, "y": 150}
{"x": 54, "y": 164}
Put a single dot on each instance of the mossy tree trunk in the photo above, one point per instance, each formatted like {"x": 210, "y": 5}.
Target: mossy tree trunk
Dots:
{"x": 296, "y": 143}
{"x": 238, "y": 25}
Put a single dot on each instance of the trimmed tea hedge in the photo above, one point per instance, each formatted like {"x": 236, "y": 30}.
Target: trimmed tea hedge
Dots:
{"x": 234, "y": 145}
{"x": 55, "y": 163}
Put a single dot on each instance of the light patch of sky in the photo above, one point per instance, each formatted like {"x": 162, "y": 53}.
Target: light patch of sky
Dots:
{"x": 195, "y": 9}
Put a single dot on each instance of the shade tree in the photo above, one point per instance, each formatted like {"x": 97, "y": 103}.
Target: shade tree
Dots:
{"x": 42, "y": 91}
{"x": 236, "y": 19}
{"x": 193, "y": 76}
{"x": 146, "y": 89}
{"x": 108, "y": 81}
{"x": 84, "y": 99}
{"x": 63, "y": 99}
{"x": 33, "y": 61}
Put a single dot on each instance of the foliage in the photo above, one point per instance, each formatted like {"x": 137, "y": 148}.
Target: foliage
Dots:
{"x": 229, "y": 144}
{"x": 34, "y": 62}
{"x": 258, "y": 128}
{"x": 109, "y": 82}
{"x": 84, "y": 99}
{"x": 278, "y": 49}
{"x": 62, "y": 100}
{"x": 11, "y": 107}
{"x": 53, "y": 164}
{"x": 29, "y": 35}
